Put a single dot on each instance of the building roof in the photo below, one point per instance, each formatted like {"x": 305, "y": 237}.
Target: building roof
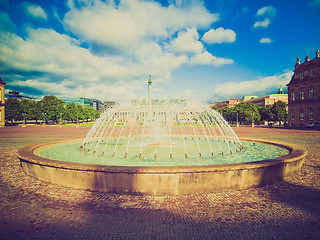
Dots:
{"x": 2, "y": 82}
{"x": 249, "y": 97}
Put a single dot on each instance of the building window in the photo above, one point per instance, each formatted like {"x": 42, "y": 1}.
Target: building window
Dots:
{"x": 311, "y": 93}
{"x": 292, "y": 95}
{"x": 292, "y": 115}
{"x": 301, "y": 94}
{"x": 311, "y": 72}
{"x": 301, "y": 114}
{"x": 301, "y": 75}
{"x": 311, "y": 114}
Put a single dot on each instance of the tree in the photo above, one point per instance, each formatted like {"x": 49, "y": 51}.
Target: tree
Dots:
{"x": 52, "y": 107}
{"x": 36, "y": 110}
{"x": 279, "y": 111}
{"x": 247, "y": 112}
{"x": 229, "y": 114}
{"x": 215, "y": 108}
{"x": 79, "y": 112}
{"x": 70, "y": 113}
{"x": 27, "y": 109}
{"x": 88, "y": 112}
{"x": 13, "y": 110}
{"x": 266, "y": 113}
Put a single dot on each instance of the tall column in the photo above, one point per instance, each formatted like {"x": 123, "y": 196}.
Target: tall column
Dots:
{"x": 149, "y": 90}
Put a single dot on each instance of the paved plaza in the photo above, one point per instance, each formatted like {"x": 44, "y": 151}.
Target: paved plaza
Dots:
{"x": 31, "y": 209}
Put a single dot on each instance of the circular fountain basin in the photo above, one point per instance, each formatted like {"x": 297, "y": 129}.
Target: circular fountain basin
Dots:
{"x": 193, "y": 176}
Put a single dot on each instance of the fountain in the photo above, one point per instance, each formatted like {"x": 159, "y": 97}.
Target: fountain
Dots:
{"x": 161, "y": 147}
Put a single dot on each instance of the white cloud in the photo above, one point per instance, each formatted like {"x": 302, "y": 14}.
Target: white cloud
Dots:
{"x": 61, "y": 57}
{"x": 187, "y": 42}
{"x": 265, "y": 40}
{"x": 255, "y": 87}
{"x": 265, "y": 23}
{"x": 269, "y": 11}
{"x": 125, "y": 25}
{"x": 34, "y": 10}
{"x": 145, "y": 38}
{"x": 219, "y": 35}
{"x": 207, "y": 58}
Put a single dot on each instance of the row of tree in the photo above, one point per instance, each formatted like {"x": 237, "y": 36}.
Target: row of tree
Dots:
{"x": 48, "y": 109}
{"x": 248, "y": 112}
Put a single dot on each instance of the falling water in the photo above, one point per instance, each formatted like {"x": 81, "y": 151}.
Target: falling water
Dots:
{"x": 157, "y": 127}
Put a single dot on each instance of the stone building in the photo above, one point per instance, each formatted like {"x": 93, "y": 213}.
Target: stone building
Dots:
{"x": 2, "y": 103}
{"x": 304, "y": 92}
{"x": 269, "y": 99}
{"x": 228, "y": 103}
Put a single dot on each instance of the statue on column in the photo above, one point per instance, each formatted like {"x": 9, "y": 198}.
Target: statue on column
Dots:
{"x": 317, "y": 53}
{"x": 307, "y": 58}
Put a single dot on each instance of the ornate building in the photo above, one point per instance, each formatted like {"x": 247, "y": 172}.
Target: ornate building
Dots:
{"x": 269, "y": 99}
{"x": 304, "y": 92}
{"x": 228, "y": 103}
{"x": 2, "y": 103}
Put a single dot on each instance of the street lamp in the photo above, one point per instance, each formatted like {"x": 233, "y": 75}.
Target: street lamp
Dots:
{"x": 24, "y": 118}
{"x": 252, "y": 124}
{"x": 44, "y": 117}
{"x": 237, "y": 119}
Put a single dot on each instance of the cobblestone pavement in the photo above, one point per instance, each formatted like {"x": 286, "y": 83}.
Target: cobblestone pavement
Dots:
{"x": 31, "y": 209}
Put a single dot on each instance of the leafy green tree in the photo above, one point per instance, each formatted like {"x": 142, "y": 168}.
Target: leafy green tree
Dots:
{"x": 27, "y": 107}
{"x": 215, "y": 108}
{"x": 32, "y": 109}
{"x": 229, "y": 114}
{"x": 96, "y": 114}
{"x": 79, "y": 112}
{"x": 279, "y": 111}
{"x": 36, "y": 110}
{"x": 88, "y": 112}
{"x": 266, "y": 113}
{"x": 13, "y": 110}
{"x": 52, "y": 107}
{"x": 70, "y": 113}
{"x": 247, "y": 112}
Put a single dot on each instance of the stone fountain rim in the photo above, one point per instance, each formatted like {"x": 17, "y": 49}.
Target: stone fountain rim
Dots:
{"x": 27, "y": 154}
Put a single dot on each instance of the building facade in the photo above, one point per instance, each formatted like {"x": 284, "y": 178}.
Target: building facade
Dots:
{"x": 94, "y": 103}
{"x": 13, "y": 94}
{"x": 2, "y": 103}
{"x": 269, "y": 99}
{"x": 259, "y": 101}
{"x": 304, "y": 92}
{"x": 228, "y": 103}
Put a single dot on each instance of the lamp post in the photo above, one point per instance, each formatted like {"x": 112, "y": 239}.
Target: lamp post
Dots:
{"x": 252, "y": 123}
{"x": 60, "y": 119}
{"x": 237, "y": 120}
{"x": 77, "y": 120}
{"x": 44, "y": 119}
{"x": 24, "y": 119}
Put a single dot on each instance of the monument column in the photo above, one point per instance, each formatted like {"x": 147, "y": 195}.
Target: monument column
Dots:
{"x": 149, "y": 90}
{"x": 2, "y": 103}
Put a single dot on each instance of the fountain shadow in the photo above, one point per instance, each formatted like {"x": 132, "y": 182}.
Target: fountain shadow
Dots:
{"x": 297, "y": 196}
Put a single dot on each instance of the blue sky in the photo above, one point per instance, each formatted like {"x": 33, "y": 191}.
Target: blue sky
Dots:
{"x": 204, "y": 50}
